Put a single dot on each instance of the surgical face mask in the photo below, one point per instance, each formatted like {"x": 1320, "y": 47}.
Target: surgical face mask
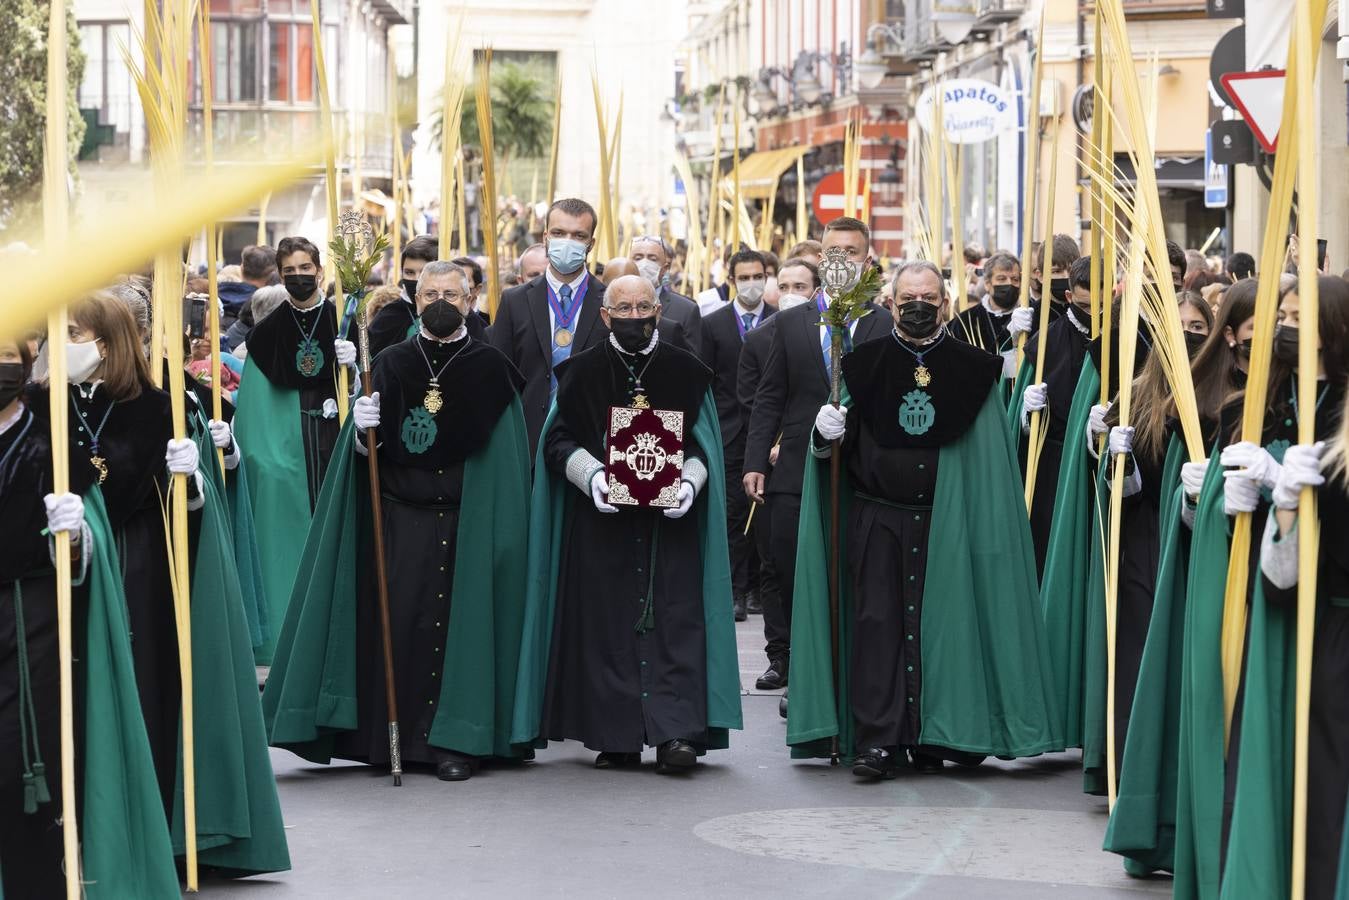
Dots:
{"x": 1285, "y": 345}
{"x": 82, "y": 360}
{"x": 1059, "y": 288}
{"x": 749, "y": 293}
{"x": 442, "y": 318}
{"x": 11, "y": 382}
{"x": 650, "y": 270}
{"x": 1242, "y": 348}
{"x": 1193, "y": 341}
{"x": 787, "y": 301}
{"x": 409, "y": 286}
{"x": 918, "y": 319}
{"x": 566, "y": 255}
{"x": 301, "y": 287}
{"x": 633, "y": 334}
{"x": 1005, "y": 295}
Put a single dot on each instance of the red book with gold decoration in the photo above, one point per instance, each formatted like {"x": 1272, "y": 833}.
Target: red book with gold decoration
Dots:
{"x": 644, "y": 453}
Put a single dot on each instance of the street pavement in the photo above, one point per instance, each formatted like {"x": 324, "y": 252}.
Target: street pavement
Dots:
{"x": 749, "y": 823}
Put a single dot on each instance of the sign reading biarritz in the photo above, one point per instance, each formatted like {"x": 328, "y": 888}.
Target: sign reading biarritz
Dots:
{"x": 973, "y": 110}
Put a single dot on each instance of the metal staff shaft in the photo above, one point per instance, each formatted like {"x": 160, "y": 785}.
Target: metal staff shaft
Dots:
{"x": 835, "y": 471}
{"x": 381, "y": 574}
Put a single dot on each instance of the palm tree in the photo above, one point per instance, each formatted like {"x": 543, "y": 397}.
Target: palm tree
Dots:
{"x": 522, "y": 115}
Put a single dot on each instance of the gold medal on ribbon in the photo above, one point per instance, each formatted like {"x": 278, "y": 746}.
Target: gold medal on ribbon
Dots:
{"x": 433, "y": 401}
{"x": 101, "y": 465}
{"x": 921, "y": 376}
{"x": 562, "y": 337}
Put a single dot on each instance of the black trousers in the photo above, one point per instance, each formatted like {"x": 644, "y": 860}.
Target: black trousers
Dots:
{"x": 743, "y": 576}
{"x": 783, "y": 515}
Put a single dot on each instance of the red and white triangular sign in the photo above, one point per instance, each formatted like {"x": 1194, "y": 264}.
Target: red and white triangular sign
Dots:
{"x": 1259, "y": 97}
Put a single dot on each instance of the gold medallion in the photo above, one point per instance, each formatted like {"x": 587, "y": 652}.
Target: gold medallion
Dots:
{"x": 639, "y": 401}
{"x": 562, "y": 337}
{"x": 101, "y": 465}
{"x": 921, "y": 376}
{"x": 433, "y": 401}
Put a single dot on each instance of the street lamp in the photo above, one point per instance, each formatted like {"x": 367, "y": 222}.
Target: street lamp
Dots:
{"x": 764, "y": 94}
{"x": 871, "y": 65}
{"x": 806, "y": 78}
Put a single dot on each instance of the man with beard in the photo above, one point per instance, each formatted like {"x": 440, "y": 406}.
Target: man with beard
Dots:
{"x": 453, "y": 451}
{"x": 287, "y": 417}
{"x": 943, "y": 661}
{"x": 629, "y": 639}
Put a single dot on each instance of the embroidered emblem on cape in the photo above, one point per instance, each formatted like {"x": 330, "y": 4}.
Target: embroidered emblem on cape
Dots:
{"x": 419, "y": 431}
{"x": 309, "y": 358}
{"x": 916, "y": 412}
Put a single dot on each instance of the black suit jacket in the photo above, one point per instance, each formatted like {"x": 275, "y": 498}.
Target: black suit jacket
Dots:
{"x": 523, "y": 331}
{"x": 676, "y": 308}
{"x": 722, "y": 346}
{"x": 753, "y": 358}
{"x": 795, "y": 384}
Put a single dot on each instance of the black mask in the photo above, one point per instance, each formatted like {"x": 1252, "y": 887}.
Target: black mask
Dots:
{"x": 633, "y": 334}
{"x": 1005, "y": 295}
{"x": 409, "y": 287}
{"x": 1285, "y": 345}
{"x": 1059, "y": 288}
{"x": 12, "y": 377}
{"x": 301, "y": 287}
{"x": 1193, "y": 341}
{"x": 1243, "y": 349}
{"x": 442, "y": 318}
{"x": 918, "y": 319}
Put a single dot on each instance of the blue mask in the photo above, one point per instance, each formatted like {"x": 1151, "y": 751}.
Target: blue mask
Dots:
{"x": 566, "y": 255}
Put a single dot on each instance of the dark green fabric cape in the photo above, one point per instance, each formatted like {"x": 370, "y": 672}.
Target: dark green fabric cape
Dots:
{"x": 311, "y": 690}
{"x": 268, "y": 426}
{"x": 981, "y": 594}
{"x": 1143, "y": 822}
{"x": 124, "y": 839}
{"x": 552, "y": 495}
{"x": 1064, "y": 587}
{"x": 1093, "y": 699}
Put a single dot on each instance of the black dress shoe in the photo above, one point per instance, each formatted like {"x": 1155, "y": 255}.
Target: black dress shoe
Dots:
{"x": 739, "y": 606}
{"x": 610, "y": 760}
{"x": 774, "y": 677}
{"x": 675, "y": 756}
{"x": 782, "y": 706}
{"x": 925, "y": 763}
{"x": 876, "y": 762}
{"x": 459, "y": 769}
{"x": 754, "y": 604}
{"x": 961, "y": 758}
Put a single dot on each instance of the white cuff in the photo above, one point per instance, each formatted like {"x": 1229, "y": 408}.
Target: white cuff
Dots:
{"x": 695, "y": 473}
{"x": 581, "y": 469}
{"x": 1009, "y": 364}
{"x": 232, "y": 458}
{"x": 1278, "y": 555}
{"x": 1187, "y": 513}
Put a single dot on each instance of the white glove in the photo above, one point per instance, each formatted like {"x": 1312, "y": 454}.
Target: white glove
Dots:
{"x": 1021, "y": 322}
{"x": 345, "y": 351}
{"x": 1192, "y": 477}
{"x": 330, "y": 408}
{"x": 1301, "y": 468}
{"x": 1121, "y": 439}
{"x": 1036, "y": 398}
{"x": 366, "y": 411}
{"x": 65, "y": 512}
{"x": 181, "y": 457}
{"x": 685, "y": 502}
{"x": 599, "y": 492}
{"x": 1255, "y": 462}
{"x": 1096, "y": 422}
{"x": 221, "y": 435}
{"x": 1240, "y": 494}
{"x": 831, "y": 421}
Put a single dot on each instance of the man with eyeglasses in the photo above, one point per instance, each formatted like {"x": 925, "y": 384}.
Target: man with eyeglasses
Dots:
{"x": 945, "y": 652}
{"x": 629, "y": 640}
{"x": 724, "y": 335}
{"x": 452, "y": 453}
{"x": 653, "y": 256}
{"x": 543, "y": 322}
{"x": 795, "y": 382}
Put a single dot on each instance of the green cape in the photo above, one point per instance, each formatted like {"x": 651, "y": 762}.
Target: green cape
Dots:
{"x": 1093, "y": 698}
{"x": 982, "y": 594}
{"x": 552, "y": 496}
{"x": 239, "y": 825}
{"x": 1142, "y": 824}
{"x": 268, "y": 426}
{"x": 1064, "y": 587}
{"x": 311, "y": 690}
{"x": 124, "y": 838}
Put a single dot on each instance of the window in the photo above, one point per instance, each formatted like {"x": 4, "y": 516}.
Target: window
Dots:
{"x": 107, "y": 85}
{"x": 291, "y": 72}
{"x": 234, "y": 52}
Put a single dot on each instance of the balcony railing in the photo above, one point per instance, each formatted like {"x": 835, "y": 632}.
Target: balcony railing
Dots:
{"x": 262, "y": 133}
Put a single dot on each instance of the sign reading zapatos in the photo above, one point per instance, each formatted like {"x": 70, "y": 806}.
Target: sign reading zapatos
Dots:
{"x": 973, "y": 110}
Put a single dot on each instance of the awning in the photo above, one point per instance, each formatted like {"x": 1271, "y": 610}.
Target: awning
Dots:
{"x": 759, "y": 172}
{"x": 1182, "y": 172}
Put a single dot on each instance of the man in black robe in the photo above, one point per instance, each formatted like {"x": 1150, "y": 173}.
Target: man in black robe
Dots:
{"x": 724, "y": 334}
{"x": 985, "y": 324}
{"x": 640, "y": 650}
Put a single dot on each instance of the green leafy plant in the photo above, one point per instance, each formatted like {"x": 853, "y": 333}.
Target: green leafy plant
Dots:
{"x": 853, "y": 302}
{"x": 356, "y": 250}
